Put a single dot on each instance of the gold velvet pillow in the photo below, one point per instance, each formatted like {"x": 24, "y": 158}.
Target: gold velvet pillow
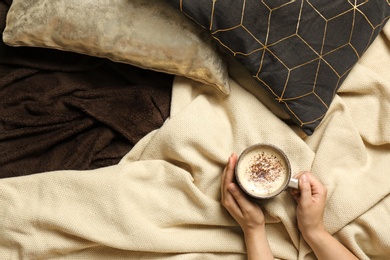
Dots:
{"x": 143, "y": 33}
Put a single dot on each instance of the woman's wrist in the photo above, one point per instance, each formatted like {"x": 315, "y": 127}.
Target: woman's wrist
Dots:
{"x": 313, "y": 232}
{"x": 257, "y": 243}
{"x": 254, "y": 231}
{"x": 315, "y": 236}
{"x": 325, "y": 246}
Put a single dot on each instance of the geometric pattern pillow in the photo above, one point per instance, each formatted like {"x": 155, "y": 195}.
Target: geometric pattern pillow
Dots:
{"x": 300, "y": 51}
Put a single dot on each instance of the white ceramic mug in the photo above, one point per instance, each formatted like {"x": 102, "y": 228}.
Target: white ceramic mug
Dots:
{"x": 263, "y": 171}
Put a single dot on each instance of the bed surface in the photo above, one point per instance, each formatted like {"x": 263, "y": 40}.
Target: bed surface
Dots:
{"x": 157, "y": 196}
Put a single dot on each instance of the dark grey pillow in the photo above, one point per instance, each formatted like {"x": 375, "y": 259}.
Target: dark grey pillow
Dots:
{"x": 300, "y": 51}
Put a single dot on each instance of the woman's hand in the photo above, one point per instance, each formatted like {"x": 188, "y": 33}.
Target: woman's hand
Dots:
{"x": 311, "y": 199}
{"x": 247, "y": 214}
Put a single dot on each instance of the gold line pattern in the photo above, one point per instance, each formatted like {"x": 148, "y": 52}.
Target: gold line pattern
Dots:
{"x": 314, "y": 55}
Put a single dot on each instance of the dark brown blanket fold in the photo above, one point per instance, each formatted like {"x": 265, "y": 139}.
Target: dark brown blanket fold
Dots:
{"x": 62, "y": 110}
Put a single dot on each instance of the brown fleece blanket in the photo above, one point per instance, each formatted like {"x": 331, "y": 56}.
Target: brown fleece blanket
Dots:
{"x": 63, "y": 110}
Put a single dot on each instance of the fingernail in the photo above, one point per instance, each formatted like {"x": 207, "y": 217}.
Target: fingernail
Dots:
{"x": 304, "y": 177}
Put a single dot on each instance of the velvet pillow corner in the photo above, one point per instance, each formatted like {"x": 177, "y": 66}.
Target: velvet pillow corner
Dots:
{"x": 137, "y": 32}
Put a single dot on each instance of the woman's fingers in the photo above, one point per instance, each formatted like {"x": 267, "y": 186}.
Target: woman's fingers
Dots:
{"x": 305, "y": 189}
{"x": 230, "y": 168}
{"x": 228, "y": 201}
{"x": 240, "y": 197}
{"x": 309, "y": 188}
{"x": 227, "y": 175}
{"x": 297, "y": 193}
{"x": 233, "y": 205}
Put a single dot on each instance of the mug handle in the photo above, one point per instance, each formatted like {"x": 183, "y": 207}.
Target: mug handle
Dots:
{"x": 293, "y": 183}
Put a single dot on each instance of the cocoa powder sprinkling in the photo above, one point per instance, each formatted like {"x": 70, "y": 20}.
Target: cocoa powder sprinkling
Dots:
{"x": 265, "y": 169}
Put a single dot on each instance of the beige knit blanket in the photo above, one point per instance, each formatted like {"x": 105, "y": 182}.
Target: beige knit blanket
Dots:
{"x": 163, "y": 200}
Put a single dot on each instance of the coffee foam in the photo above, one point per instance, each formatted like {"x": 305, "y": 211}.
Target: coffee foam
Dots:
{"x": 259, "y": 187}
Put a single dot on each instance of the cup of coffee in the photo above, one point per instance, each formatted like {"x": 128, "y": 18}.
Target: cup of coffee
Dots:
{"x": 264, "y": 171}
